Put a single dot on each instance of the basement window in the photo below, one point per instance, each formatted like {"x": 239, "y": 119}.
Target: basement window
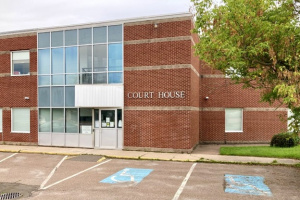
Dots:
{"x": 20, "y": 63}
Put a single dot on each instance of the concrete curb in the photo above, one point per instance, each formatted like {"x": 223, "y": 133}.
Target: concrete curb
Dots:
{"x": 200, "y": 160}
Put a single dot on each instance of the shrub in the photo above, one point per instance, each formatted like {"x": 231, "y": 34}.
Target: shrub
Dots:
{"x": 284, "y": 140}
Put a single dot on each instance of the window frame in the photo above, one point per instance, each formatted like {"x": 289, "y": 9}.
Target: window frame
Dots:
{"x": 12, "y": 63}
{"x": 242, "y": 121}
{"x": 12, "y": 125}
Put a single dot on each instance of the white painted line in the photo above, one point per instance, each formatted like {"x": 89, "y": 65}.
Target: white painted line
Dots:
{"x": 8, "y": 157}
{"x": 180, "y": 189}
{"x": 52, "y": 172}
{"x": 75, "y": 174}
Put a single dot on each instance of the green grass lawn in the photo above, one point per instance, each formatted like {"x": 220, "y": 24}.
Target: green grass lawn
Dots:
{"x": 262, "y": 151}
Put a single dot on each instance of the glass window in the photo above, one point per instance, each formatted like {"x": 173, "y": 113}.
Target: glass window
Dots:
{"x": 44, "y": 40}
{"x": 71, "y": 37}
{"x": 20, "y": 63}
{"x": 115, "y": 77}
{"x": 57, "y": 39}
{"x": 233, "y": 120}
{"x": 86, "y": 78}
{"x": 44, "y": 80}
{"x": 71, "y": 79}
{"x": 44, "y": 61}
{"x": 58, "y": 120}
{"x": 71, "y": 60}
{"x": 100, "y": 78}
{"x": 58, "y": 79}
{"x": 100, "y": 58}
{"x": 57, "y": 60}
{"x": 96, "y": 117}
{"x": 20, "y": 121}
{"x": 100, "y": 34}
{"x": 71, "y": 120}
{"x": 0, "y": 119}
{"x": 115, "y": 33}
{"x": 44, "y": 120}
{"x": 44, "y": 96}
{"x": 70, "y": 96}
{"x": 57, "y": 96}
{"x": 107, "y": 118}
{"x": 119, "y": 116}
{"x": 85, "y": 120}
{"x": 115, "y": 57}
{"x": 85, "y": 58}
{"x": 85, "y": 36}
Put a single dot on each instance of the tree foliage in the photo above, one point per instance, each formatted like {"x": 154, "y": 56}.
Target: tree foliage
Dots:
{"x": 256, "y": 43}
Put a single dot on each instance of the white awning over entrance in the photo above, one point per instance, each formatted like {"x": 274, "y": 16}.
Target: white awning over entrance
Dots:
{"x": 99, "y": 96}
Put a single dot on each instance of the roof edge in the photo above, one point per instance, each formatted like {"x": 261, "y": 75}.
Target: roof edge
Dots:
{"x": 126, "y": 20}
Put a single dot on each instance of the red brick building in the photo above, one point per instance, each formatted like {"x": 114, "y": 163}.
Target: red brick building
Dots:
{"x": 127, "y": 84}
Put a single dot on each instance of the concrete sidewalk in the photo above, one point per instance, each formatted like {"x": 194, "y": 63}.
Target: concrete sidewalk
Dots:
{"x": 204, "y": 153}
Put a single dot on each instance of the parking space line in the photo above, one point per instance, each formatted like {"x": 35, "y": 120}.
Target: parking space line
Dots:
{"x": 75, "y": 174}
{"x": 8, "y": 157}
{"x": 180, "y": 189}
{"x": 52, "y": 172}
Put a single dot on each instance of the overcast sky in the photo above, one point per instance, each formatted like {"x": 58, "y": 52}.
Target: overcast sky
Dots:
{"x": 29, "y": 14}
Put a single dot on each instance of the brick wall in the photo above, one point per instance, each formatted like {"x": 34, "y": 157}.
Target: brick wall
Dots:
{"x": 260, "y": 120}
{"x": 159, "y": 60}
{"x": 14, "y": 89}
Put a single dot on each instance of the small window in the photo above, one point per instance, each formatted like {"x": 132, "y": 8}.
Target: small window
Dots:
{"x": 233, "y": 120}
{"x": 20, "y": 120}
{"x": 0, "y": 119}
{"x": 20, "y": 63}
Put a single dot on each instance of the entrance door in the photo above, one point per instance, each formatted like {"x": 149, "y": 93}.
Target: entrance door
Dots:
{"x": 108, "y": 128}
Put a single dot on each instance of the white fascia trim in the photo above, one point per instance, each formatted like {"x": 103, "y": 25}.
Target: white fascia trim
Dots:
{"x": 114, "y": 22}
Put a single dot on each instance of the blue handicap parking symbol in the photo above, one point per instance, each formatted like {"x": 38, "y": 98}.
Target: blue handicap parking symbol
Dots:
{"x": 130, "y": 175}
{"x": 251, "y": 185}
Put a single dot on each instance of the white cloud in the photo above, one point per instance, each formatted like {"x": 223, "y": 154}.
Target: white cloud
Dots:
{"x": 28, "y": 14}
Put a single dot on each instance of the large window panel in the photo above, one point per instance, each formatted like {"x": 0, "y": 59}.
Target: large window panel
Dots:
{"x": 85, "y": 58}
{"x": 100, "y": 78}
{"x": 57, "y": 60}
{"x": 85, "y": 120}
{"x": 100, "y": 58}
{"x": 44, "y": 96}
{"x": 71, "y": 60}
{"x": 0, "y": 119}
{"x": 71, "y": 120}
{"x": 100, "y": 34}
{"x": 70, "y": 96}
{"x": 57, "y": 39}
{"x": 115, "y": 77}
{"x": 44, "y": 40}
{"x": 58, "y": 79}
{"x": 115, "y": 33}
{"x": 57, "y": 96}
{"x": 115, "y": 57}
{"x": 58, "y": 120}
{"x": 86, "y": 78}
{"x": 20, "y": 63}
{"x": 85, "y": 36}
{"x": 20, "y": 120}
{"x": 44, "y": 80}
{"x": 70, "y": 37}
{"x": 71, "y": 79}
{"x": 44, "y": 120}
{"x": 233, "y": 120}
{"x": 44, "y": 61}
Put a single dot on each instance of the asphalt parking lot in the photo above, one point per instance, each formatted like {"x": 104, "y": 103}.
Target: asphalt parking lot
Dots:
{"x": 38, "y": 176}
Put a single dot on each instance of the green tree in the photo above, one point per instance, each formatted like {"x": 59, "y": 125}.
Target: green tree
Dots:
{"x": 256, "y": 43}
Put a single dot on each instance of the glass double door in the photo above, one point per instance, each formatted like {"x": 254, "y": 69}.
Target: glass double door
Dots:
{"x": 108, "y": 128}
